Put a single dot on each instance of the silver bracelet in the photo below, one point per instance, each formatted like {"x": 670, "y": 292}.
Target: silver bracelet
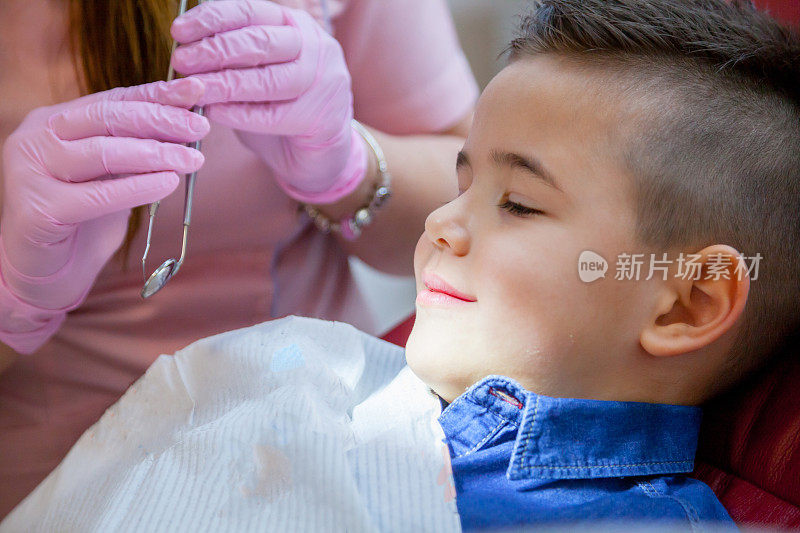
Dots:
{"x": 350, "y": 227}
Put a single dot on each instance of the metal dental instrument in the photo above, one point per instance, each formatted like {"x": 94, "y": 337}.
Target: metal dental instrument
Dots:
{"x": 170, "y": 267}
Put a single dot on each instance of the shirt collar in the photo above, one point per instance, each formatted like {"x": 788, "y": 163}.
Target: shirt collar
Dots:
{"x": 562, "y": 438}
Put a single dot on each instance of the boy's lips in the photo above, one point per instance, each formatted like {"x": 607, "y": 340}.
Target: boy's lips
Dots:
{"x": 440, "y": 287}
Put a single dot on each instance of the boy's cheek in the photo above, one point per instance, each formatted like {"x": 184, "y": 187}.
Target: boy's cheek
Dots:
{"x": 534, "y": 290}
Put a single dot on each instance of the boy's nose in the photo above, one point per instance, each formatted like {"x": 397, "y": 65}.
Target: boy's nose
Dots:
{"x": 447, "y": 229}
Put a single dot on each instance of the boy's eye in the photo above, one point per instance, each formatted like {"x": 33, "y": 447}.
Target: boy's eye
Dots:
{"x": 518, "y": 209}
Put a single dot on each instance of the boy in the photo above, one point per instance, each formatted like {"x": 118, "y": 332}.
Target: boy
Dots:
{"x": 662, "y": 131}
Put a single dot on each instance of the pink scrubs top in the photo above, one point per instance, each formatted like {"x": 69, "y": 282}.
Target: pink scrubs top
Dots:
{"x": 251, "y": 256}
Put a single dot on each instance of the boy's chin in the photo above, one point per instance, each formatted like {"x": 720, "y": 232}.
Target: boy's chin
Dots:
{"x": 436, "y": 377}
{"x": 425, "y": 367}
{"x": 416, "y": 360}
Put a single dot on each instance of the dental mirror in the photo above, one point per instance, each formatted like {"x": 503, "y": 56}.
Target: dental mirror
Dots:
{"x": 158, "y": 279}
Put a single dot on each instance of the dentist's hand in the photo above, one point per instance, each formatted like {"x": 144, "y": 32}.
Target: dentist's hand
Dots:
{"x": 71, "y": 174}
{"x": 278, "y": 78}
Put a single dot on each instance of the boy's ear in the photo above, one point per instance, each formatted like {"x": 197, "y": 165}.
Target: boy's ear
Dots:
{"x": 697, "y": 309}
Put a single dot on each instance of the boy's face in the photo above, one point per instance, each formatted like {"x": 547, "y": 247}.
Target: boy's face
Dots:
{"x": 524, "y": 312}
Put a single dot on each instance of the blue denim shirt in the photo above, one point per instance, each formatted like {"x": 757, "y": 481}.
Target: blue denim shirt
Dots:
{"x": 520, "y": 458}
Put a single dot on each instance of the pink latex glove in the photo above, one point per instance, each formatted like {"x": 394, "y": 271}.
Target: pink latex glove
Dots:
{"x": 71, "y": 174}
{"x": 274, "y": 75}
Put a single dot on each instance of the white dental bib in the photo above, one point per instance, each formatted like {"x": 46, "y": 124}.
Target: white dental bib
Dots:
{"x": 291, "y": 425}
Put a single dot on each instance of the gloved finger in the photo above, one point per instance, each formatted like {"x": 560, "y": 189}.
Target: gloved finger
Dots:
{"x": 183, "y": 92}
{"x": 277, "y": 118}
{"x": 95, "y": 157}
{"x": 225, "y": 15}
{"x": 269, "y": 83}
{"x": 95, "y": 199}
{"x": 141, "y": 120}
{"x": 267, "y": 119}
{"x": 247, "y": 47}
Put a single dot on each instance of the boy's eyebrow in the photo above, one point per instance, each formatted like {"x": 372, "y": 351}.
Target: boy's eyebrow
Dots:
{"x": 530, "y": 165}
{"x": 512, "y": 160}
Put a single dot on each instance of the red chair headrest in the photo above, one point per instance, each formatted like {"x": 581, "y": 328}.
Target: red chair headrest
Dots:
{"x": 750, "y": 445}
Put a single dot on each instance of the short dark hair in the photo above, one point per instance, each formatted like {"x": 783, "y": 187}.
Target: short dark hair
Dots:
{"x": 715, "y": 149}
